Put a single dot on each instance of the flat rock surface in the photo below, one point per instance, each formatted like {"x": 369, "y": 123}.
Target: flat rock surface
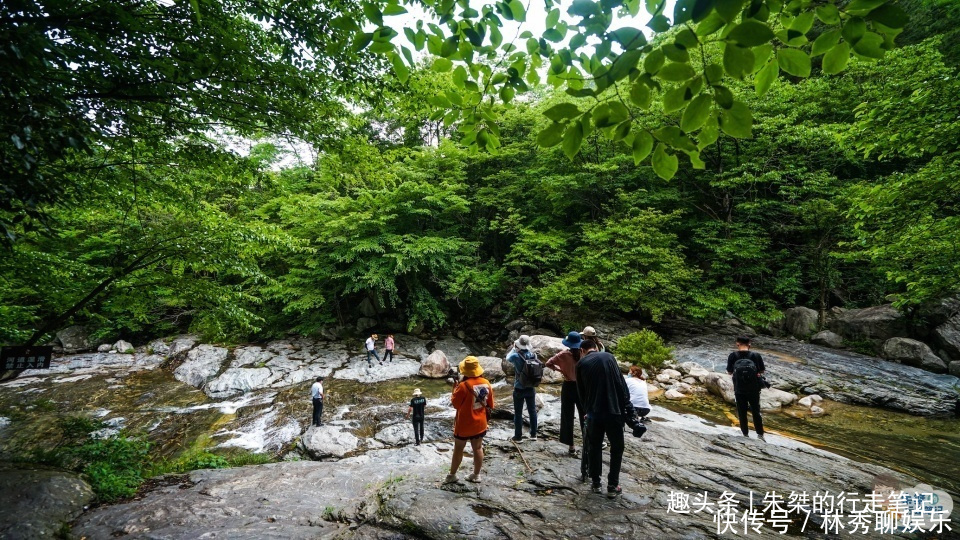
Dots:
{"x": 36, "y": 502}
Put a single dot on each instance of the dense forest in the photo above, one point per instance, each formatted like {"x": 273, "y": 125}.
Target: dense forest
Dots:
{"x": 300, "y": 195}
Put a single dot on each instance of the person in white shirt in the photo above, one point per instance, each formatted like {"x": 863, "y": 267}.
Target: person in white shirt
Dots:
{"x": 371, "y": 346}
{"x": 637, "y": 386}
{"x": 316, "y": 394}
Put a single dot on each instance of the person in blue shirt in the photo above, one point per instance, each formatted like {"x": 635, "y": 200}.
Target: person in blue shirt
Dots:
{"x": 523, "y": 393}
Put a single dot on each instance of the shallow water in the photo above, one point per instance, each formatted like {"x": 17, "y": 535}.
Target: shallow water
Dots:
{"x": 926, "y": 448}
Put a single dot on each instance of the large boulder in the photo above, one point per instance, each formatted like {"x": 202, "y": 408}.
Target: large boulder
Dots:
{"x": 123, "y": 347}
{"x": 454, "y": 349}
{"x": 772, "y": 399}
{"x": 237, "y": 381}
{"x": 37, "y": 503}
{"x": 546, "y": 346}
{"x": 75, "y": 339}
{"x": 202, "y": 364}
{"x": 180, "y": 345}
{"x": 720, "y": 384}
{"x": 827, "y": 339}
{"x": 365, "y": 323}
{"x": 492, "y": 367}
{"x": 913, "y": 353}
{"x": 435, "y": 366}
{"x": 329, "y": 440}
{"x": 947, "y": 337}
{"x": 800, "y": 321}
{"x": 878, "y": 323}
{"x": 955, "y": 368}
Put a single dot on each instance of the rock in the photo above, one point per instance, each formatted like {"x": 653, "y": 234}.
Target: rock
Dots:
{"x": 808, "y": 401}
{"x": 402, "y": 432}
{"x": 202, "y": 364}
{"x": 74, "y": 339}
{"x": 816, "y": 411}
{"x": 543, "y": 332}
{"x": 955, "y": 368}
{"x": 454, "y": 349}
{"x": 106, "y": 347}
{"x": 38, "y": 503}
{"x": 546, "y": 346}
{"x": 123, "y": 347}
{"x": 461, "y": 334}
{"x": 181, "y": 344}
{"x": 366, "y": 308}
{"x": 878, "y": 323}
{"x": 250, "y": 356}
{"x": 913, "y": 353}
{"x": 690, "y": 380}
{"x": 720, "y": 384}
{"x": 517, "y": 324}
{"x": 332, "y": 439}
{"x": 492, "y": 367}
{"x": 365, "y": 323}
{"x": 663, "y": 378}
{"x": 947, "y": 337}
{"x": 412, "y": 347}
{"x": 436, "y": 366}
{"x": 358, "y": 370}
{"x": 772, "y": 399}
{"x": 827, "y": 338}
{"x": 693, "y": 369}
{"x": 237, "y": 381}
{"x": 674, "y": 394}
{"x": 158, "y": 346}
{"x": 800, "y": 321}
{"x": 672, "y": 374}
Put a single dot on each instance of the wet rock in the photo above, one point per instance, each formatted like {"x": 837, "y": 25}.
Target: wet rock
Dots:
{"x": 720, "y": 384}
{"x": 693, "y": 369}
{"x": 517, "y": 324}
{"x": 158, "y": 346}
{"x": 105, "y": 348}
{"x": 402, "y": 432}
{"x": 809, "y": 401}
{"x": 202, "y": 364}
{"x": 816, "y": 411}
{"x": 674, "y": 394}
{"x": 359, "y": 370}
{"x": 332, "y": 439}
{"x": 772, "y": 399}
{"x": 123, "y": 347}
{"x": 181, "y": 344}
{"x": 37, "y": 502}
{"x": 251, "y": 356}
{"x": 435, "y": 366}
{"x": 411, "y": 347}
{"x": 913, "y": 353}
{"x": 827, "y": 339}
{"x": 878, "y": 323}
{"x": 75, "y": 339}
{"x": 800, "y": 321}
{"x": 947, "y": 337}
{"x": 237, "y": 381}
{"x": 671, "y": 374}
{"x": 454, "y": 349}
{"x": 663, "y": 378}
{"x": 492, "y": 367}
{"x": 955, "y": 368}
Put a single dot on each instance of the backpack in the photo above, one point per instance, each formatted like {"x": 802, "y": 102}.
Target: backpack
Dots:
{"x": 532, "y": 372}
{"x": 745, "y": 379}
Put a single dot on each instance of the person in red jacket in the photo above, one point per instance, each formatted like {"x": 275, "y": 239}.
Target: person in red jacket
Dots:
{"x": 472, "y": 397}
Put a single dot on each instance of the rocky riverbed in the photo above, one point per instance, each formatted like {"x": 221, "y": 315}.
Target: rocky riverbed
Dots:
{"x": 359, "y": 474}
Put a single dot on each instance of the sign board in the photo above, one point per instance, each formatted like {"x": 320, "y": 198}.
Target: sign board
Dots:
{"x": 35, "y": 357}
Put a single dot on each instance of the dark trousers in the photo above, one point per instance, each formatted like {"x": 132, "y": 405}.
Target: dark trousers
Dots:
{"x": 569, "y": 400}
{"x": 528, "y": 396}
{"x": 388, "y": 355}
{"x": 317, "y": 411}
{"x": 375, "y": 355}
{"x": 753, "y": 402}
{"x": 642, "y": 412}
{"x": 612, "y": 427}
{"x": 418, "y": 429}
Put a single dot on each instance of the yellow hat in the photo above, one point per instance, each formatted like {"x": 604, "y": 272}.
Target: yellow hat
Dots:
{"x": 470, "y": 367}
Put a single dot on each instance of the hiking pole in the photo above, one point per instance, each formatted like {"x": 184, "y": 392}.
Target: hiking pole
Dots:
{"x": 529, "y": 468}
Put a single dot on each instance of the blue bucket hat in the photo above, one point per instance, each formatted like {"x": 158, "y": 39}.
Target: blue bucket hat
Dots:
{"x": 573, "y": 340}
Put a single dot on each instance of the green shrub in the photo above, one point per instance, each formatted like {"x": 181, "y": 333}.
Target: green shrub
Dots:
{"x": 644, "y": 348}
{"x": 114, "y": 466}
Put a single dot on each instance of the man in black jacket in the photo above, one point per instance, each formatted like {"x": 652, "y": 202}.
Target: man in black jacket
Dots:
{"x": 746, "y": 384}
{"x": 606, "y": 401}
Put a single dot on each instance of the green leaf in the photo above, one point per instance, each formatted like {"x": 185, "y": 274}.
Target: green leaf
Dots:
{"x": 737, "y": 121}
{"x": 642, "y": 145}
{"x": 737, "y": 61}
{"x": 710, "y": 25}
{"x": 562, "y": 111}
{"x": 766, "y": 76}
{"x": 655, "y": 7}
{"x": 853, "y": 30}
{"x": 828, "y": 14}
{"x": 675, "y": 99}
{"x": 551, "y": 135}
{"x": 836, "y": 59}
{"x": 519, "y": 12}
{"x": 675, "y": 53}
{"x": 751, "y": 33}
{"x": 572, "y": 139}
{"x": 825, "y": 42}
{"x": 870, "y": 45}
{"x": 696, "y": 113}
{"x": 729, "y": 9}
{"x": 582, "y": 8}
{"x": 640, "y": 95}
{"x": 794, "y": 61}
{"x": 629, "y": 38}
{"x": 554, "y": 35}
{"x": 723, "y": 96}
{"x": 659, "y": 23}
{"x": 664, "y": 163}
{"x": 442, "y": 65}
{"x": 803, "y": 22}
{"x": 393, "y": 9}
{"x": 676, "y": 72}
{"x": 622, "y": 131}
{"x": 401, "y": 69}
{"x": 714, "y": 74}
{"x": 760, "y": 56}
{"x": 709, "y": 133}
{"x": 862, "y": 7}
{"x": 890, "y": 16}
{"x": 686, "y": 39}
{"x": 372, "y": 13}
{"x": 654, "y": 61}
{"x": 553, "y": 18}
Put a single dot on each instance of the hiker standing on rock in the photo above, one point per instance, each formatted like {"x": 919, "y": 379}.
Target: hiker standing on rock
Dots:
{"x": 388, "y": 346}
{"x": 472, "y": 397}
{"x": 606, "y": 401}
{"x": 371, "y": 345}
{"x": 528, "y": 372}
{"x": 417, "y": 408}
{"x": 746, "y": 367}
{"x": 316, "y": 395}
{"x": 590, "y": 333}
{"x": 566, "y": 363}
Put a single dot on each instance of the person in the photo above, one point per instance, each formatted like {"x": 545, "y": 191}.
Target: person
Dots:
{"x": 639, "y": 396}
{"x": 388, "y": 345}
{"x": 371, "y": 345}
{"x": 565, "y": 362}
{"x": 606, "y": 401}
{"x": 590, "y": 333}
{"x": 316, "y": 394}
{"x": 524, "y": 391}
{"x": 417, "y": 406}
{"x": 472, "y": 397}
{"x": 746, "y": 367}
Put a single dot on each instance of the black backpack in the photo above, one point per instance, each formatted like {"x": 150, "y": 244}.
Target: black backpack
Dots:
{"x": 745, "y": 379}
{"x": 532, "y": 372}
